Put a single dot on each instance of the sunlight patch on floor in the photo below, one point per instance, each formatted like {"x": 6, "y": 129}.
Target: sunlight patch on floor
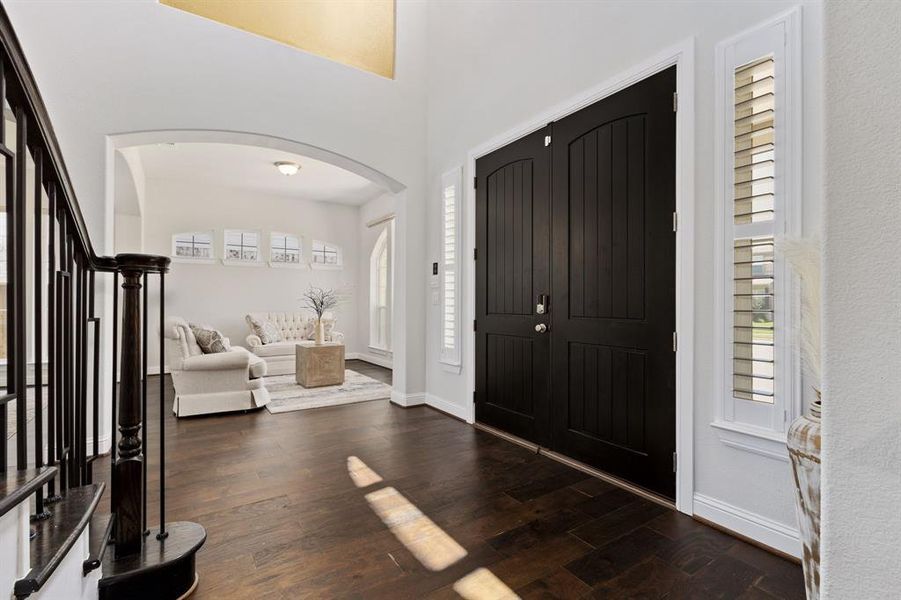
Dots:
{"x": 361, "y": 474}
{"x": 434, "y": 548}
{"x": 482, "y": 584}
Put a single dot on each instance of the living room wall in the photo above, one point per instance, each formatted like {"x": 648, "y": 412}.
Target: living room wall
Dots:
{"x": 220, "y": 295}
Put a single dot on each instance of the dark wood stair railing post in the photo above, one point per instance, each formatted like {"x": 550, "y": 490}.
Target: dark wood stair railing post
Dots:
{"x": 128, "y": 471}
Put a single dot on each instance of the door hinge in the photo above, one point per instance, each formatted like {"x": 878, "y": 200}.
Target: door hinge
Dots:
{"x": 475, "y": 183}
{"x": 675, "y": 102}
{"x": 675, "y": 462}
{"x": 675, "y": 342}
{"x": 475, "y": 254}
{"x": 474, "y": 325}
{"x": 675, "y": 221}
{"x": 547, "y": 140}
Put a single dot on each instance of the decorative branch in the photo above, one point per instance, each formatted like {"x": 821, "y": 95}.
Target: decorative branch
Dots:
{"x": 319, "y": 300}
{"x": 803, "y": 254}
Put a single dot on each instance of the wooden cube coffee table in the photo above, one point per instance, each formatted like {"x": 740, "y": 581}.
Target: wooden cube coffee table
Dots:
{"x": 321, "y": 365}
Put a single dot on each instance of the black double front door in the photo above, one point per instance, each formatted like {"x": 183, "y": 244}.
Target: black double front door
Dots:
{"x": 575, "y": 285}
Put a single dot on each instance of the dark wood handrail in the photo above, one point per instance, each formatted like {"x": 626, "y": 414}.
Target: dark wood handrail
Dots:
{"x": 41, "y": 134}
{"x": 61, "y": 481}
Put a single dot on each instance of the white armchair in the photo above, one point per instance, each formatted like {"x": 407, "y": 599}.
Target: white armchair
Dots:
{"x": 211, "y": 383}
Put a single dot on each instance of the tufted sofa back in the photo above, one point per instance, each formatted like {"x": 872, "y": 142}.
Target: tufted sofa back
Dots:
{"x": 296, "y": 325}
{"x": 180, "y": 342}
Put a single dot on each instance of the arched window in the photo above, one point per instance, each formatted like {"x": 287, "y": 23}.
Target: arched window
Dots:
{"x": 380, "y": 277}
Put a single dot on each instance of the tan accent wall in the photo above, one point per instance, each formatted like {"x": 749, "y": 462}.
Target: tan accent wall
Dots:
{"x": 359, "y": 33}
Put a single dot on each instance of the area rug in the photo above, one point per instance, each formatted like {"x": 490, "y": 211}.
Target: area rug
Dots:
{"x": 286, "y": 396}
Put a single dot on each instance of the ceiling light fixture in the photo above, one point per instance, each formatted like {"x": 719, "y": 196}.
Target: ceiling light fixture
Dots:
{"x": 287, "y": 168}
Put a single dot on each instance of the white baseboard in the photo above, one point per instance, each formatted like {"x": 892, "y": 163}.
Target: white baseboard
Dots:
{"x": 450, "y": 408}
{"x": 407, "y": 400}
{"x": 761, "y": 529}
{"x": 381, "y": 361}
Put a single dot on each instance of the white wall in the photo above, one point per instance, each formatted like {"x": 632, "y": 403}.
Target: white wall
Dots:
{"x": 367, "y": 237}
{"x": 519, "y": 60}
{"x": 220, "y": 295}
{"x": 861, "y": 520}
{"x": 66, "y": 583}
{"x": 106, "y": 68}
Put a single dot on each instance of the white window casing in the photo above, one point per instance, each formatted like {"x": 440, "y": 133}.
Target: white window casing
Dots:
{"x": 194, "y": 246}
{"x": 285, "y": 250}
{"x": 242, "y": 247}
{"x": 758, "y": 200}
{"x": 451, "y": 201}
{"x": 380, "y": 290}
{"x": 326, "y": 255}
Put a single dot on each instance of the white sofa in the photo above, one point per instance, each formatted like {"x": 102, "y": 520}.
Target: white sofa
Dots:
{"x": 211, "y": 383}
{"x": 295, "y": 328}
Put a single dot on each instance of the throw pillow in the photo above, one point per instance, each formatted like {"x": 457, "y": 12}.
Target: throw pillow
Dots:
{"x": 263, "y": 329}
{"x": 210, "y": 340}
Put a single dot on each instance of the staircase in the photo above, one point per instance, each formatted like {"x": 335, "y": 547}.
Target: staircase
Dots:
{"x": 53, "y": 541}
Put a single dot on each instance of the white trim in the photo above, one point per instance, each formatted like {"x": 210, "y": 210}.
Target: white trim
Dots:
{"x": 451, "y": 368}
{"x": 448, "y": 407}
{"x": 407, "y": 400}
{"x": 380, "y": 220}
{"x": 681, "y": 55}
{"x": 771, "y": 533}
{"x": 242, "y": 263}
{"x": 323, "y": 267}
{"x": 379, "y": 361}
{"x": 193, "y": 261}
{"x": 281, "y": 265}
{"x": 759, "y": 428}
{"x": 764, "y": 442}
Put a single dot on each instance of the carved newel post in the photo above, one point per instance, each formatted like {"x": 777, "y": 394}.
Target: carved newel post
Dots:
{"x": 128, "y": 469}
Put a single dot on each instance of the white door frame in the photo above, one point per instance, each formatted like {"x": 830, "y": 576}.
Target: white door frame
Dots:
{"x": 681, "y": 55}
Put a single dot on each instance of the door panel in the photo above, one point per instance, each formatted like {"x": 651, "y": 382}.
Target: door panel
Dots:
{"x": 587, "y": 222}
{"x": 512, "y": 270}
{"x": 614, "y": 284}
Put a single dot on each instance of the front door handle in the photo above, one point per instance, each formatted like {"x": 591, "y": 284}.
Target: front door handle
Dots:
{"x": 541, "y": 328}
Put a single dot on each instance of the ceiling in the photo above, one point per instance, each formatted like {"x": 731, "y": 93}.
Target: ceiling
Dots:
{"x": 250, "y": 168}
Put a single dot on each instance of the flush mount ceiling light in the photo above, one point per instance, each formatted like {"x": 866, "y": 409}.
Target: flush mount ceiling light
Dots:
{"x": 287, "y": 168}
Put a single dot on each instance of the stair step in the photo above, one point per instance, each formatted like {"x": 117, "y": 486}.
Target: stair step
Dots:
{"x": 56, "y": 536}
{"x": 17, "y": 486}
{"x": 99, "y": 532}
{"x": 162, "y": 570}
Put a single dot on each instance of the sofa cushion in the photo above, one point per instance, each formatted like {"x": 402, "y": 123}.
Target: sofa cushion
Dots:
{"x": 276, "y": 349}
{"x": 210, "y": 340}
{"x": 264, "y": 329}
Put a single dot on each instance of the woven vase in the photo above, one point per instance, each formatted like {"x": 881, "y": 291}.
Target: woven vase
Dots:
{"x": 804, "y": 449}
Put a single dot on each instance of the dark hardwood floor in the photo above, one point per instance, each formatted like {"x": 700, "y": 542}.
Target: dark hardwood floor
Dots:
{"x": 469, "y": 514}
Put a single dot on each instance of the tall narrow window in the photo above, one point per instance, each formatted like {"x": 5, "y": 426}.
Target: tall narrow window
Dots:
{"x": 242, "y": 246}
{"x": 451, "y": 186}
{"x": 753, "y": 190}
{"x": 194, "y": 245}
{"x": 760, "y": 193}
{"x": 380, "y": 290}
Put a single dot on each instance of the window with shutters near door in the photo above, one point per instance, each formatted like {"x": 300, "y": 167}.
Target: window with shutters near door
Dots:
{"x": 450, "y": 198}
{"x": 758, "y": 190}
